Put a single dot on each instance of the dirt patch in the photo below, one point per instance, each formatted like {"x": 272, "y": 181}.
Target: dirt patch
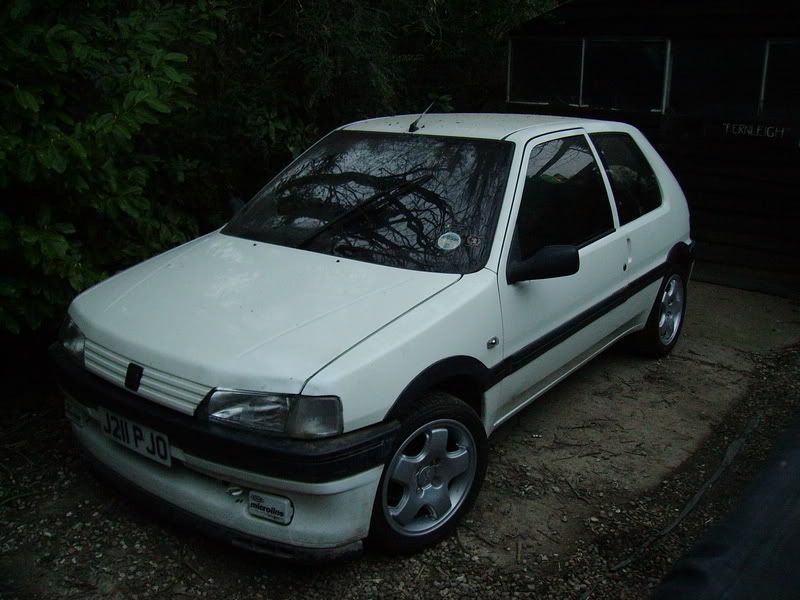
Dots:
{"x": 576, "y": 484}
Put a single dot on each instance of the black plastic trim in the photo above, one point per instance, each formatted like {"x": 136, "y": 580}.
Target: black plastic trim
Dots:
{"x": 561, "y": 333}
{"x": 465, "y": 367}
{"x": 682, "y": 254}
{"x": 184, "y": 518}
{"x": 484, "y": 377}
{"x": 309, "y": 461}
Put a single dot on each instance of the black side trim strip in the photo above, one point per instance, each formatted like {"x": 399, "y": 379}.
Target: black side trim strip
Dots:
{"x": 561, "y": 333}
{"x": 311, "y": 461}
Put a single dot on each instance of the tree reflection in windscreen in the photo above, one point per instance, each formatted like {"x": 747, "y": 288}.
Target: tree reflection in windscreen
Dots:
{"x": 461, "y": 182}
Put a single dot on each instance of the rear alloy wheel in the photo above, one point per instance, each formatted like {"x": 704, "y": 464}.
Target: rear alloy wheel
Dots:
{"x": 670, "y": 310}
{"x": 432, "y": 477}
{"x": 666, "y": 318}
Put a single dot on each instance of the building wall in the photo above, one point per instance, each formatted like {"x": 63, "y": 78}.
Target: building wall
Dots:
{"x": 718, "y": 93}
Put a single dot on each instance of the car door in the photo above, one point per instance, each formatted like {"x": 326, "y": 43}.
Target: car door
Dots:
{"x": 641, "y": 209}
{"x": 551, "y": 325}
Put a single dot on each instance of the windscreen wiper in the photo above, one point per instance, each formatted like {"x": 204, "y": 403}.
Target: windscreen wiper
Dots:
{"x": 383, "y": 195}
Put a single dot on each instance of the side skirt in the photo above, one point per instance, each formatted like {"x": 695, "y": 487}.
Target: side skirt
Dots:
{"x": 554, "y": 378}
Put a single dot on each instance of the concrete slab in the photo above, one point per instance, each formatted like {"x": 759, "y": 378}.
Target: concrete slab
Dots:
{"x": 619, "y": 425}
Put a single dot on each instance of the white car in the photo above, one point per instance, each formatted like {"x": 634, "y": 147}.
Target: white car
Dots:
{"x": 326, "y": 367}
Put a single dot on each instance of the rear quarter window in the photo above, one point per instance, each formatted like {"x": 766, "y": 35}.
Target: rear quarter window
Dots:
{"x": 632, "y": 179}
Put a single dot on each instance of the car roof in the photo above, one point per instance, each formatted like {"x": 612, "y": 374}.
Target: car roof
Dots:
{"x": 480, "y": 125}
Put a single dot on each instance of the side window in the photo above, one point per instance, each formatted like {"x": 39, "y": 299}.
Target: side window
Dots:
{"x": 632, "y": 179}
{"x": 564, "y": 200}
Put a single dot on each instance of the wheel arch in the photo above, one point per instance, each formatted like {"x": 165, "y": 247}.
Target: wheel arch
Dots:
{"x": 681, "y": 255}
{"x": 465, "y": 377}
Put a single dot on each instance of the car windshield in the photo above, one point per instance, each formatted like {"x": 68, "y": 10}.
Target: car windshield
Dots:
{"x": 412, "y": 201}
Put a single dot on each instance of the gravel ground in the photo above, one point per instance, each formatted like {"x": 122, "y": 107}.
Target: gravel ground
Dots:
{"x": 64, "y": 535}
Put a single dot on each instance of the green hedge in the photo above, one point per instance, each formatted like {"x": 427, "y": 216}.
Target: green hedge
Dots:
{"x": 91, "y": 105}
{"x": 126, "y": 125}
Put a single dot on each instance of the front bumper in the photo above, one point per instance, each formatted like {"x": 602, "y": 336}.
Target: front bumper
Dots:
{"x": 207, "y": 484}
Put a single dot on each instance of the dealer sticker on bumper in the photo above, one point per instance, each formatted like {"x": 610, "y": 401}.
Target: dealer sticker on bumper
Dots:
{"x": 272, "y": 508}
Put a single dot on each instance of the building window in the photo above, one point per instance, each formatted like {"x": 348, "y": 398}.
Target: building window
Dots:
{"x": 624, "y": 75}
{"x": 716, "y": 78}
{"x": 782, "y": 85}
{"x": 546, "y": 71}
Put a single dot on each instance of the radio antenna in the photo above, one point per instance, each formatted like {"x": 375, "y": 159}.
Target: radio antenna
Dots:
{"x": 413, "y": 127}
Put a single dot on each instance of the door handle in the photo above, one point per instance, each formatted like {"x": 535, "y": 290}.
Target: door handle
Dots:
{"x": 629, "y": 260}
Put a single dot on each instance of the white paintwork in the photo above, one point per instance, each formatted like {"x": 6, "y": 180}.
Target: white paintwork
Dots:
{"x": 325, "y": 515}
{"x": 227, "y": 312}
{"x": 487, "y": 126}
{"x": 531, "y": 309}
{"x": 456, "y": 322}
{"x": 173, "y": 392}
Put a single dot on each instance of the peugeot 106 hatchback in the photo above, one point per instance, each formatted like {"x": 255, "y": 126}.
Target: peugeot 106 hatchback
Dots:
{"x": 327, "y": 366}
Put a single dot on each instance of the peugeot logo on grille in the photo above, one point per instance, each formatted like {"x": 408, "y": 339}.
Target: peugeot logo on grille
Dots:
{"x": 133, "y": 377}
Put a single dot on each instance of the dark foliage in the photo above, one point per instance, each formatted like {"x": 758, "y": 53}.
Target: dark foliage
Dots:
{"x": 126, "y": 127}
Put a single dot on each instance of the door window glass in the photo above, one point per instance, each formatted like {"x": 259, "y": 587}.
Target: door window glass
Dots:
{"x": 632, "y": 179}
{"x": 564, "y": 200}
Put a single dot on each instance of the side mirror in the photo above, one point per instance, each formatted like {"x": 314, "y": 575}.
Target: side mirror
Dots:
{"x": 548, "y": 262}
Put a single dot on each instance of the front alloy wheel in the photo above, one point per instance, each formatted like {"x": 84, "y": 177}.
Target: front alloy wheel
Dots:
{"x": 429, "y": 477}
{"x": 432, "y": 477}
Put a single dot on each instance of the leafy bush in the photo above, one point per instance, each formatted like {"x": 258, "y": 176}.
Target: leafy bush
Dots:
{"x": 93, "y": 107}
{"x": 124, "y": 124}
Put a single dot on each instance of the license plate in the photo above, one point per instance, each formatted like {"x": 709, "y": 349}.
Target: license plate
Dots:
{"x": 147, "y": 442}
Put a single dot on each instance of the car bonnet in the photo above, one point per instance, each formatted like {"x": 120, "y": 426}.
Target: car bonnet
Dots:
{"x": 223, "y": 311}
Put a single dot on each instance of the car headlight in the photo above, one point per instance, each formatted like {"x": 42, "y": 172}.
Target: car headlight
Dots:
{"x": 292, "y": 415}
{"x": 72, "y": 339}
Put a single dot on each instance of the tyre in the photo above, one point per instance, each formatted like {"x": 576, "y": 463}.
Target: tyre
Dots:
{"x": 665, "y": 322}
{"x": 432, "y": 477}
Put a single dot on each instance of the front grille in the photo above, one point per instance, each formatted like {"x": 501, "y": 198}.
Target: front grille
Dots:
{"x": 168, "y": 390}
